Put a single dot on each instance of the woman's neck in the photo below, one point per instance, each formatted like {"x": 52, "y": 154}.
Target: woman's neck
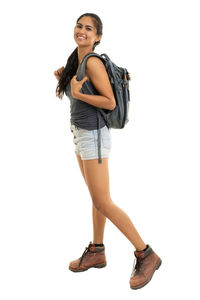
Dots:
{"x": 82, "y": 52}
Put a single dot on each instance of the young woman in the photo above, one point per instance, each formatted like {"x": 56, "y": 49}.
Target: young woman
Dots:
{"x": 87, "y": 34}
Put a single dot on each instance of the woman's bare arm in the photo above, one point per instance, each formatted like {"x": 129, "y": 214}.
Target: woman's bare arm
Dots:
{"x": 97, "y": 74}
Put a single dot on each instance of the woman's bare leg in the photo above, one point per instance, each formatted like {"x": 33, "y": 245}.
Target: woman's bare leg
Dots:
{"x": 97, "y": 177}
{"x": 99, "y": 219}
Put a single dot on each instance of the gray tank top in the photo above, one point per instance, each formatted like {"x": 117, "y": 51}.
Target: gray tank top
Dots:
{"x": 83, "y": 115}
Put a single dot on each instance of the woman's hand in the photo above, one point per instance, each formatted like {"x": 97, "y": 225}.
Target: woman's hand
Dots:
{"x": 76, "y": 85}
{"x": 58, "y": 73}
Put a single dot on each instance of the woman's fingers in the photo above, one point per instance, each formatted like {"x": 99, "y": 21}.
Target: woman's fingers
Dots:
{"x": 59, "y": 71}
{"x": 84, "y": 79}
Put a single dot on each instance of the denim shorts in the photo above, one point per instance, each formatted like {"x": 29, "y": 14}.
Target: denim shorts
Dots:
{"x": 86, "y": 142}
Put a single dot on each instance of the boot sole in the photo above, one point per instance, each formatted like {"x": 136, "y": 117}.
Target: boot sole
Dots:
{"x": 143, "y": 284}
{"x": 94, "y": 266}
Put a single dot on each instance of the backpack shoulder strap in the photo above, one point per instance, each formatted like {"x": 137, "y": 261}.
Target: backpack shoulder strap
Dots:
{"x": 82, "y": 67}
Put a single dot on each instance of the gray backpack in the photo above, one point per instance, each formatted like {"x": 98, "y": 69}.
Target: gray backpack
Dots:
{"x": 119, "y": 78}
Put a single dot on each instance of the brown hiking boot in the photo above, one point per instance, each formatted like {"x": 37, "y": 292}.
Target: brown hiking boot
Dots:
{"x": 93, "y": 256}
{"x": 147, "y": 262}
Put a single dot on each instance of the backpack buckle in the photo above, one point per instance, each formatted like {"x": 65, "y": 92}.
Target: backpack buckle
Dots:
{"x": 126, "y": 79}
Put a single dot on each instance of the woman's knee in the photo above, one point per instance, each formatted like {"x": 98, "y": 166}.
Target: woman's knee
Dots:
{"x": 102, "y": 206}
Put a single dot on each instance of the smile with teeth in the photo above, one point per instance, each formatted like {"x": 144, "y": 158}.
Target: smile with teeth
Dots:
{"x": 81, "y": 37}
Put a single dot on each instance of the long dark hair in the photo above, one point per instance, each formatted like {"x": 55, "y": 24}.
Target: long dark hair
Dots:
{"x": 72, "y": 61}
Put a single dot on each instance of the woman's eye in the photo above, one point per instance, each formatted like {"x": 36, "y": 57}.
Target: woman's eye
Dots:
{"x": 79, "y": 26}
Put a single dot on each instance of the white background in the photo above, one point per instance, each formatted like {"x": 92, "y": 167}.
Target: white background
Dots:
{"x": 45, "y": 212}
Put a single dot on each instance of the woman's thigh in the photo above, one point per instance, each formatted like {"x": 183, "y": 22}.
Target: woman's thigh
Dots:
{"x": 97, "y": 177}
{"x": 80, "y": 163}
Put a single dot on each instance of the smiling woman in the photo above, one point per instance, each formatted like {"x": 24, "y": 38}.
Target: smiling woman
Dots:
{"x": 87, "y": 34}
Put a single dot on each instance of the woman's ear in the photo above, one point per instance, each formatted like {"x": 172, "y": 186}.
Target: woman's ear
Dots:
{"x": 99, "y": 38}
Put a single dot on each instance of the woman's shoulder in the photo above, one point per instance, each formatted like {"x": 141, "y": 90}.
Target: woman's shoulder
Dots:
{"x": 94, "y": 62}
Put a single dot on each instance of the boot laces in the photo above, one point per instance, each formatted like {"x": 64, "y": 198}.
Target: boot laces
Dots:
{"x": 87, "y": 249}
{"x": 137, "y": 266}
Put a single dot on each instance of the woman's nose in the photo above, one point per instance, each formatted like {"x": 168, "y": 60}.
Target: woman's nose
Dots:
{"x": 82, "y": 32}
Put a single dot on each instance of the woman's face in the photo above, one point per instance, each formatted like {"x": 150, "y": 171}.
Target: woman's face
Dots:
{"x": 85, "y": 34}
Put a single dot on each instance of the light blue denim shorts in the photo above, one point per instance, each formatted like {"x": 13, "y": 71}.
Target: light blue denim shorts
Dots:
{"x": 86, "y": 142}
